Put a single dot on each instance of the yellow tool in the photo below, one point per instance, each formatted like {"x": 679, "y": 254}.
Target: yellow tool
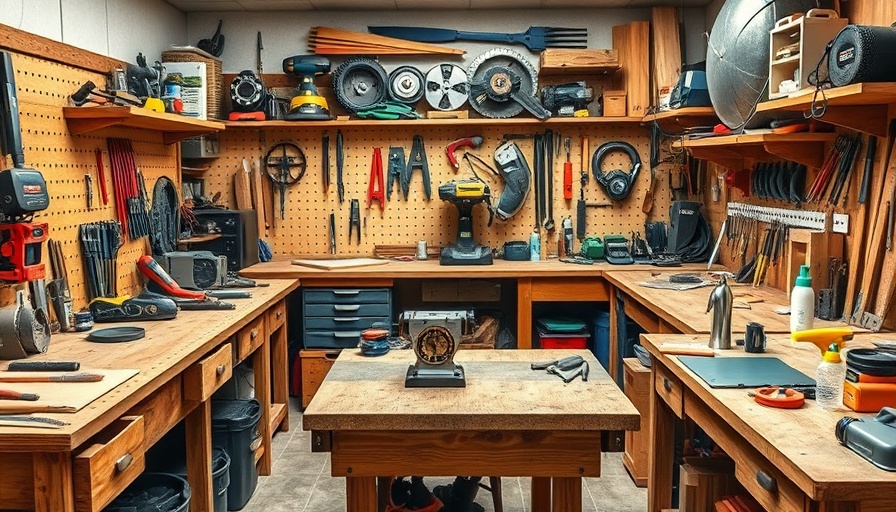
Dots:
{"x": 822, "y": 338}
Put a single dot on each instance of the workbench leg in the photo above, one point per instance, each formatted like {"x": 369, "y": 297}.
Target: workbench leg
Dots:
{"x": 567, "y": 494}
{"x": 524, "y": 312}
{"x": 280, "y": 372}
{"x": 662, "y": 448}
{"x": 198, "y": 426}
{"x": 261, "y": 366}
{"x": 541, "y": 494}
{"x": 384, "y": 491}
{"x": 53, "y": 483}
{"x": 360, "y": 494}
{"x": 614, "y": 334}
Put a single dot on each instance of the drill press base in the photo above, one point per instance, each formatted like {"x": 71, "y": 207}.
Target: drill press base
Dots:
{"x": 455, "y": 255}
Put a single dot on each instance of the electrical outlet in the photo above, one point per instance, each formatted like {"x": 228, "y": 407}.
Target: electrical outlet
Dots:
{"x": 841, "y": 223}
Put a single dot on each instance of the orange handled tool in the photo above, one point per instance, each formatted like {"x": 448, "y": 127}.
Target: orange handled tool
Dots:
{"x": 567, "y": 173}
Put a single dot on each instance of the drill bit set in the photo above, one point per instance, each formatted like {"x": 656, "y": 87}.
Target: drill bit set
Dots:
{"x": 100, "y": 242}
{"x": 130, "y": 189}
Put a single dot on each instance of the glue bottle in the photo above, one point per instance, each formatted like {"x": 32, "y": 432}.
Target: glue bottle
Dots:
{"x": 802, "y": 302}
{"x": 829, "y": 379}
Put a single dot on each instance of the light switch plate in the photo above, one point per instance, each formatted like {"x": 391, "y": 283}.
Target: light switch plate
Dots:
{"x": 841, "y": 223}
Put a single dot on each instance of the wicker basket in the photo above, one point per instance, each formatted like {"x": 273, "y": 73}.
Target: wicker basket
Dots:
{"x": 212, "y": 75}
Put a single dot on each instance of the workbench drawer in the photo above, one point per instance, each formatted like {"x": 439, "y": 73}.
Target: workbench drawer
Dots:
{"x": 669, "y": 388}
{"x": 250, "y": 337}
{"x": 276, "y": 316}
{"x": 347, "y": 296}
{"x": 332, "y": 339}
{"x": 347, "y": 310}
{"x": 205, "y": 377}
{"x": 109, "y": 465}
{"x": 343, "y": 323}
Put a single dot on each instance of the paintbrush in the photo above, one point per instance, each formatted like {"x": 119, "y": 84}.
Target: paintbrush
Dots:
{"x": 75, "y": 377}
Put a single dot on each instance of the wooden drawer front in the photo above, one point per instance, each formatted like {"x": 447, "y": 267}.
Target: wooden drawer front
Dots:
{"x": 276, "y": 316}
{"x": 250, "y": 337}
{"x": 771, "y": 488}
{"x": 315, "y": 365}
{"x": 669, "y": 388}
{"x": 104, "y": 469}
{"x": 206, "y": 376}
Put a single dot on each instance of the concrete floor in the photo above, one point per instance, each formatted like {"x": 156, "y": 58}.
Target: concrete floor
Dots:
{"x": 301, "y": 482}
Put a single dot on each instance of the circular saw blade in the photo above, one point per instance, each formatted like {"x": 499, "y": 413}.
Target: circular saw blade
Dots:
{"x": 484, "y": 67}
{"x": 446, "y": 87}
{"x": 406, "y": 85}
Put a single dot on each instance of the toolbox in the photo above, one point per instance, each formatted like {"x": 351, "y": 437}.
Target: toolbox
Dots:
{"x": 335, "y": 317}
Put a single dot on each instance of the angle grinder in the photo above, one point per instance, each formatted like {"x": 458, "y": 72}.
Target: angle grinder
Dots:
{"x": 308, "y": 104}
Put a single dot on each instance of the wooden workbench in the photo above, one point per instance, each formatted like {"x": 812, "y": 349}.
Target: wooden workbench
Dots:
{"x": 181, "y": 362}
{"x": 796, "y": 449}
{"x": 508, "y": 421}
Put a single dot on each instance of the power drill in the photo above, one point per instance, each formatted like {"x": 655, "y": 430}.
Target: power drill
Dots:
{"x": 567, "y": 100}
{"x": 465, "y": 195}
{"x": 308, "y": 104}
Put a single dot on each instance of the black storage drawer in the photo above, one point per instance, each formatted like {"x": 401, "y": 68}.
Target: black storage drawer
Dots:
{"x": 347, "y": 296}
{"x": 348, "y": 323}
{"x": 333, "y": 310}
{"x": 332, "y": 339}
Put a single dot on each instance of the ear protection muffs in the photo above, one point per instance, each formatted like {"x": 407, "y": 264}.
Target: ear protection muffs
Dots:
{"x": 617, "y": 183}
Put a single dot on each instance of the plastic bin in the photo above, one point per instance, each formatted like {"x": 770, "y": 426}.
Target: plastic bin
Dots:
{"x": 235, "y": 428}
{"x": 601, "y": 345}
{"x": 563, "y": 341}
{"x": 153, "y": 492}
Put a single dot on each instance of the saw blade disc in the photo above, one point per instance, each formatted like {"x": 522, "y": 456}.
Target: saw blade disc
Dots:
{"x": 446, "y": 87}
{"x": 406, "y": 85}
{"x": 495, "y": 67}
{"x": 359, "y": 83}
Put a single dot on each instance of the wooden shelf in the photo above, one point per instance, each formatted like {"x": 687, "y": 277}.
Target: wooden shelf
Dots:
{"x": 731, "y": 150}
{"x": 199, "y": 239}
{"x": 367, "y": 123}
{"x": 680, "y": 119}
{"x": 863, "y": 107}
{"x": 174, "y": 127}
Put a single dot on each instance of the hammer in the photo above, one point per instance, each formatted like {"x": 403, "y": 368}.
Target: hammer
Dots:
{"x": 466, "y": 142}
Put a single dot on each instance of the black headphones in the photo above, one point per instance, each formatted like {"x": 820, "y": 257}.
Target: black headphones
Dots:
{"x": 617, "y": 183}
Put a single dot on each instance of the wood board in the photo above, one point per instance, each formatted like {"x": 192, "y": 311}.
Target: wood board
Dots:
{"x": 70, "y": 394}
{"x": 337, "y": 264}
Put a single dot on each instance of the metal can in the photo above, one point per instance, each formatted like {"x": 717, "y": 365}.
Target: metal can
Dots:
{"x": 422, "y": 252}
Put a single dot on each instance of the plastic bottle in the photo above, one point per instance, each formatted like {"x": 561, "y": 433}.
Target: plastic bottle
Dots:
{"x": 802, "y": 302}
{"x": 534, "y": 247}
{"x": 829, "y": 379}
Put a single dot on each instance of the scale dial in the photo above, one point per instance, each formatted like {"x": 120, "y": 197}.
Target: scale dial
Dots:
{"x": 434, "y": 345}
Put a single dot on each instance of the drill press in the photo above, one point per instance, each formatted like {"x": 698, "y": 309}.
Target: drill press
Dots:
{"x": 308, "y": 104}
{"x": 465, "y": 195}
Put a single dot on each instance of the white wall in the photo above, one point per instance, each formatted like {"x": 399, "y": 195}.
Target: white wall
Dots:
{"x": 286, "y": 33}
{"x": 117, "y": 28}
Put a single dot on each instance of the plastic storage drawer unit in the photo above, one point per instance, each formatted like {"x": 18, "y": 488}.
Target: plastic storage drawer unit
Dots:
{"x": 335, "y": 317}
{"x": 235, "y": 428}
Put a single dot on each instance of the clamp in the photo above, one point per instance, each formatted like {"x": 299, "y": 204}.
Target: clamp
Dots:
{"x": 375, "y": 187}
{"x": 396, "y": 168}
{"x": 417, "y": 159}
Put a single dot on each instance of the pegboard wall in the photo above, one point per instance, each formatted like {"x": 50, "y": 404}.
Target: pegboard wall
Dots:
{"x": 304, "y": 231}
{"x": 64, "y": 159}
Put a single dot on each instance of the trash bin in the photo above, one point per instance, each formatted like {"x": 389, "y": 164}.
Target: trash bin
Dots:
{"x": 235, "y": 429}
{"x": 153, "y": 492}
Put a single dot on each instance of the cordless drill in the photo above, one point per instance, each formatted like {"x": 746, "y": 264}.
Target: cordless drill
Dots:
{"x": 308, "y": 104}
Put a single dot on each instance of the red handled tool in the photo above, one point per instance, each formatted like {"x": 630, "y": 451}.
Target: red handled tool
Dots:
{"x": 466, "y": 142}
{"x": 8, "y": 394}
{"x": 376, "y": 188}
{"x": 152, "y": 270}
{"x": 779, "y": 397}
{"x": 567, "y": 172}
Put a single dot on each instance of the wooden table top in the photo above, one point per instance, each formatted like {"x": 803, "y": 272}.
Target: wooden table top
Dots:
{"x": 169, "y": 347}
{"x": 686, "y": 310}
{"x": 800, "y": 442}
{"x": 502, "y": 393}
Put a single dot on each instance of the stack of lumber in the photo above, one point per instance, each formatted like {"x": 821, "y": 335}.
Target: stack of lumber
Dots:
{"x": 333, "y": 41}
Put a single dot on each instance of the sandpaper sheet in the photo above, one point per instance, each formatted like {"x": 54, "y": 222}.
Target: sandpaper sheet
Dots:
{"x": 745, "y": 372}
{"x": 76, "y": 395}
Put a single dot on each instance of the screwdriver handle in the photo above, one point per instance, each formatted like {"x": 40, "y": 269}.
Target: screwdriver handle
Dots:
{"x": 567, "y": 181}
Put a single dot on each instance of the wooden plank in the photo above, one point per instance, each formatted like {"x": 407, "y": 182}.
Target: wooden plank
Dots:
{"x": 53, "y": 482}
{"x": 632, "y": 41}
{"x": 360, "y": 494}
{"x": 566, "y": 494}
{"x": 562, "y": 61}
{"x": 666, "y": 54}
{"x": 198, "y": 426}
{"x": 17, "y": 484}
{"x": 495, "y": 453}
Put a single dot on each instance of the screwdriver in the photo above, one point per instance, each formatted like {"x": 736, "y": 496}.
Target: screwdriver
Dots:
{"x": 567, "y": 172}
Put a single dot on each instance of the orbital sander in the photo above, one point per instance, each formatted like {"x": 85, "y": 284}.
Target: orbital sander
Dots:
{"x": 308, "y": 104}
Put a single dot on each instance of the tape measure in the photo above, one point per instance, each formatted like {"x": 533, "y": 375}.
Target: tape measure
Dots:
{"x": 781, "y": 398}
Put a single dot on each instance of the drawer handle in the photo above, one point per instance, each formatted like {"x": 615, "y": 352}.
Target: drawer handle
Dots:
{"x": 346, "y": 319}
{"x": 278, "y": 314}
{"x": 346, "y": 292}
{"x": 220, "y": 370}
{"x": 124, "y": 463}
{"x": 667, "y": 385}
{"x": 767, "y": 482}
{"x": 341, "y": 307}
{"x": 253, "y": 333}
